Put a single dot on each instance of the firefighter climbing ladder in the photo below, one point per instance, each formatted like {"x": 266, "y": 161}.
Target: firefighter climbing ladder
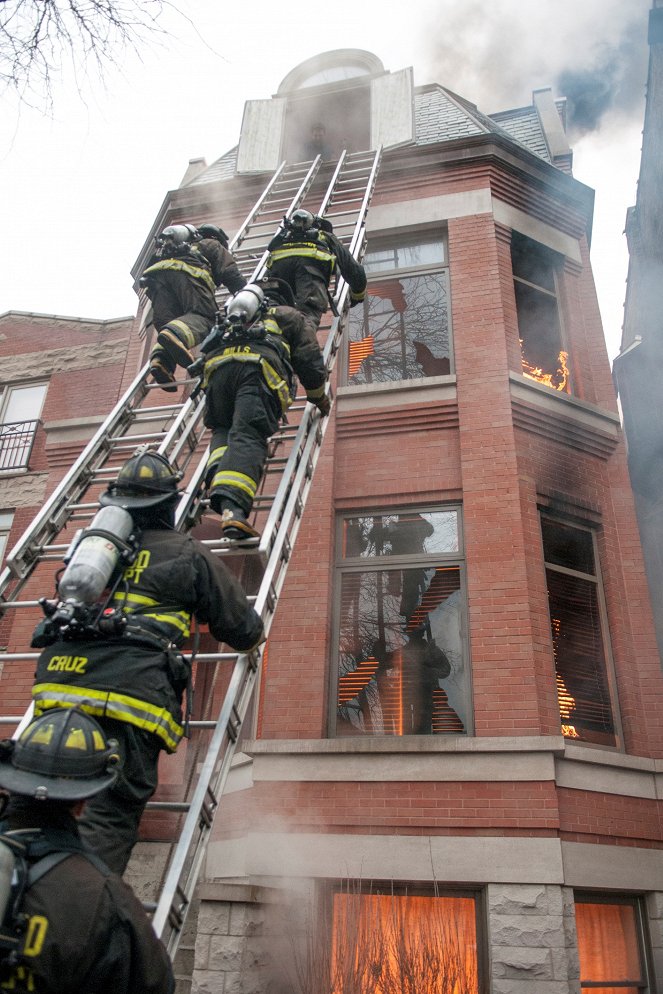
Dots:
{"x": 175, "y": 430}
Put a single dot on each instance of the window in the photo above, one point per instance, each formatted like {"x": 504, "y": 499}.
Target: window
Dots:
{"x": 400, "y": 650}
{"x": 401, "y": 330}
{"x": 534, "y": 275}
{"x": 20, "y": 408}
{"x": 6, "y": 518}
{"x": 394, "y": 942}
{"x": 580, "y": 646}
{"x": 369, "y": 938}
{"x": 611, "y": 944}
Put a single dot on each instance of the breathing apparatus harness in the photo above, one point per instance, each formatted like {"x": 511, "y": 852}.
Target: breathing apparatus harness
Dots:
{"x": 242, "y": 324}
{"x": 94, "y": 565}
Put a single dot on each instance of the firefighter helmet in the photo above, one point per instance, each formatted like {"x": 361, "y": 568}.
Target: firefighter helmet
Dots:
{"x": 301, "y": 220}
{"x": 212, "y": 231}
{"x": 61, "y": 756}
{"x": 145, "y": 480}
{"x": 245, "y": 307}
{"x": 179, "y": 235}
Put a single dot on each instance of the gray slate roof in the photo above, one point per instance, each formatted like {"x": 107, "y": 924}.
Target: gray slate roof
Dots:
{"x": 440, "y": 115}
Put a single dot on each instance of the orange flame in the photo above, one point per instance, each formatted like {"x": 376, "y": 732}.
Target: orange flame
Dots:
{"x": 358, "y": 352}
{"x": 559, "y": 380}
{"x": 566, "y": 705}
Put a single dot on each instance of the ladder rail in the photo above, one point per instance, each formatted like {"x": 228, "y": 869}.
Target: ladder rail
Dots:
{"x": 180, "y": 440}
{"x": 279, "y": 534}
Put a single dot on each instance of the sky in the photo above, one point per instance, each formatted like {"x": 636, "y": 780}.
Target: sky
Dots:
{"x": 82, "y": 182}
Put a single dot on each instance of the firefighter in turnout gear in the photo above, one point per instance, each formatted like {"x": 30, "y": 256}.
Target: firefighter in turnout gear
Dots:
{"x": 248, "y": 377}
{"x": 180, "y": 280}
{"x": 71, "y": 924}
{"x": 306, "y": 254}
{"x": 133, "y": 677}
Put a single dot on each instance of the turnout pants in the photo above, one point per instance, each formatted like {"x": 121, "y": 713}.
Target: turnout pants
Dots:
{"x": 309, "y": 289}
{"x": 182, "y": 305}
{"x": 243, "y": 413}
{"x": 109, "y": 822}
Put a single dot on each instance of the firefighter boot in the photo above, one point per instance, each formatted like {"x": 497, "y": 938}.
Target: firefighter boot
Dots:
{"x": 172, "y": 342}
{"x": 162, "y": 370}
{"x": 233, "y": 520}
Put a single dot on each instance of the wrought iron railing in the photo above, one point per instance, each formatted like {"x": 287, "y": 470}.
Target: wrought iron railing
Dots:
{"x": 16, "y": 439}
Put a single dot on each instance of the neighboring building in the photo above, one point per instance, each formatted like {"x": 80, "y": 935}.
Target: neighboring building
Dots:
{"x": 638, "y": 369}
{"x": 458, "y": 738}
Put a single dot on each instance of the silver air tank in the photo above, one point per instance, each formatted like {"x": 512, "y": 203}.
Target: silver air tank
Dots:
{"x": 96, "y": 556}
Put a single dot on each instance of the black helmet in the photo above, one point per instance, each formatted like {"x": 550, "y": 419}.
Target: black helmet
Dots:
{"x": 212, "y": 231}
{"x": 61, "y": 756}
{"x": 277, "y": 291}
{"x": 145, "y": 480}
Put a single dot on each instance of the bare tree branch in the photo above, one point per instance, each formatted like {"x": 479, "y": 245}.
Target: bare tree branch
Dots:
{"x": 39, "y": 37}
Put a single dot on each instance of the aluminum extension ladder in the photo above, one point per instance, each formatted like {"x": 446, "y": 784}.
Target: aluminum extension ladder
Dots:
{"x": 176, "y": 431}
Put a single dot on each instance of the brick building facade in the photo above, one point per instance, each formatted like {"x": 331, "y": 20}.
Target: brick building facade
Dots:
{"x": 458, "y": 736}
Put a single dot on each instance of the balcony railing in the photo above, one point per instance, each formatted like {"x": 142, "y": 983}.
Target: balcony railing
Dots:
{"x": 16, "y": 441}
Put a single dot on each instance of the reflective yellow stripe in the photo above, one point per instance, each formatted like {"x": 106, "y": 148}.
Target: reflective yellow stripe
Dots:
{"x": 197, "y": 272}
{"x": 184, "y": 329}
{"x": 228, "y": 355}
{"x": 272, "y": 328}
{"x": 178, "y": 619}
{"x": 104, "y": 704}
{"x": 228, "y": 478}
{"x": 318, "y": 392}
{"x": 274, "y": 380}
{"x": 135, "y": 598}
{"x": 276, "y": 383}
{"x": 216, "y": 455}
{"x": 307, "y": 250}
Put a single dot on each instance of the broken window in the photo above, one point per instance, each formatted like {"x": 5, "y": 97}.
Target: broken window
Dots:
{"x": 578, "y": 623}
{"x": 401, "y": 652}
{"x": 401, "y": 330}
{"x": 611, "y": 944}
{"x": 544, "y": 358}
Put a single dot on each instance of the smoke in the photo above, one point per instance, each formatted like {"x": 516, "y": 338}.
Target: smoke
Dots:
{"x": 594, "y": 53}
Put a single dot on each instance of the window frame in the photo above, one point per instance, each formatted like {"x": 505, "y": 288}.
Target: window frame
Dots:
{"x": 356, "y": 564}
{"x": 6, "y": 391}
{"x": 642, "y": 933}
{"x": 556, "y": 265}
{"x": 401, "y": 239}
{"x": 327, "y": 889}
{"x": 597, "y": 580}
{"x": 5, "y": 532}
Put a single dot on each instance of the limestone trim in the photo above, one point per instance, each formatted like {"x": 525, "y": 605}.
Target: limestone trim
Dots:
{"x": 478, "y": 760}
{"x": 399, "y": 393}
{"x": 23, "y": 490}
{"x": 259, "y": 858}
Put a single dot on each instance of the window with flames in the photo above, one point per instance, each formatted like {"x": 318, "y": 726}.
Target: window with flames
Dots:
{"x": 401, "y": 330}
{"x": 401, "y": 643}
{"x": 544, "y": 356}
{"x": 362, "y": 942}
{"x": 583, "y": 663}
